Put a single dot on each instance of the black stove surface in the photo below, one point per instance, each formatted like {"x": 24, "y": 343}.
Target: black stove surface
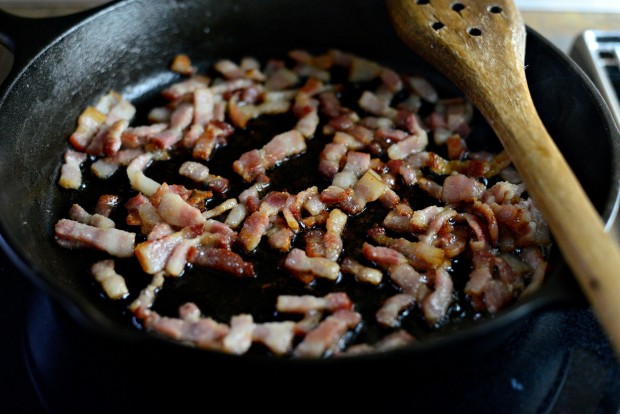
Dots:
{"x": 558, "y": 361}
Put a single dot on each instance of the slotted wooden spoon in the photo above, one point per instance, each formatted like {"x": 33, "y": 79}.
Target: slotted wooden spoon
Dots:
{"x": 480, "y": 46}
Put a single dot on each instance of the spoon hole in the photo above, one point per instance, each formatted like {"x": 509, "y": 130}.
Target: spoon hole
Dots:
{"x": 437, "y": 26}
{"x": 474, "y": 31}
{"x": 458, "y": 7}
{"x": 422, "y": 1}
{"x": 495, "y": 9}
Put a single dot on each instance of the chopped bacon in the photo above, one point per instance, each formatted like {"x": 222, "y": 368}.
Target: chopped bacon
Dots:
{"x": 331, "y": 302}
{"x": 255, "y": 163}
{"x": 70, "y": 173}
{"x": 115, "y": 242}
{"x": 276, "y": 336}
{"x": 362, "y": 273}
{"x": 436, "y": 303}
{"x": 240, "y": 336}
{"x": 146, "y": 298}
{"x": 328, "y": 335}
{"x": 112, "y": 283}
{"x": 304, "y": 267}
{"x": 393, "y": 308}
{"x": 78, "y": 213}
{"x": 154, "y": 254}
{"x": 221, "y": 259}
{"x": 182, "y": 64}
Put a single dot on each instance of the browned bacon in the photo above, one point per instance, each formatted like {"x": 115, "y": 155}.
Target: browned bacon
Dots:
{"x": 221, "y": 259}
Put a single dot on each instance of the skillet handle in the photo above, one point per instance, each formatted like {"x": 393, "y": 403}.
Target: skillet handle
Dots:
{"x": 23, "y": 38}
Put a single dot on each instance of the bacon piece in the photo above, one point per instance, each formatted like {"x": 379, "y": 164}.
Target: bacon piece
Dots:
{"x": 330, "y": 159}
{"x": 215, "y": 134}
{"x": 177, "y": 212}
{"x": 105, "y": 167}
{"x": 106, "y": 203}
{"x": 420, "y": 255}
{"x": 373, "y": 104}
{"x": 200, "y": 173}
{"x": 401, "y": 272}
{"x": 118, "y": 243}
{"x": 362, "y": 273}
{"x": 107, "y": 140}
{"x": 333, "y": 236}
{"x": 221, "y": 259}
{"x": 78, "y": 213}
{"x": 240, "y": 336}
{"x": 306, "y": 110}
{"x": 303, "y": 267}
{"x": 279, "y": 235}
{"x": 178, "y": 90}
{"x": 177, "y": 260}
{"x": 423, "y": 88}
{"x": 257, "y": 162}
{"x": 367, "y": 189}
{"x": 205, "y": 333}
{"x": 393, "y": 308}
{"x": 137, "y": 179}
{"x": 154, "y": 254}
{"x": 89, "y": 123}
{"x": 408, "y": 146}
{"x": 328, "y": 335}
{"x": 257, "y": 223}
{"x": 70, "y": 172}
{"x": 362, "y": 69}
{"x": 276, "y": 336}
{"x": 220, "y": 209}
{"x": 146, "y": 298}
{"x": 436, "y": 304}
{"x": 112, "y": 283}
{"x": 357, "y": 163}
{"x": 182, "y": 64}
{"x": 280, "y": 79}
{"x": 460, "y": 188}
{"x": 304, "y": 304}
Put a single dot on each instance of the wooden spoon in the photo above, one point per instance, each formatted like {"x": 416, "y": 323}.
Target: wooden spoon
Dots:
{"x": 480, "y": 46}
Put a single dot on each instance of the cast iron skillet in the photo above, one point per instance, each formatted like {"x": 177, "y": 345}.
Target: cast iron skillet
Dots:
{"x": 63, "y": 64}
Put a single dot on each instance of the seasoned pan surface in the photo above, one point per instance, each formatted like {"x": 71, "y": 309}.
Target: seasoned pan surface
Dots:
{"x": 43, "y": 97}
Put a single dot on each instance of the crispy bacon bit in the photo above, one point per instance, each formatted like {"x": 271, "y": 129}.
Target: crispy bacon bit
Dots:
{"x": 304, "y": 267}
{"x": 328, "y": 335}
{"x": 221, "y": 259}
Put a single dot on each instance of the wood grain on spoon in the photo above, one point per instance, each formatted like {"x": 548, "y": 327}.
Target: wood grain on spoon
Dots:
{"x": 480, "y": 46}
